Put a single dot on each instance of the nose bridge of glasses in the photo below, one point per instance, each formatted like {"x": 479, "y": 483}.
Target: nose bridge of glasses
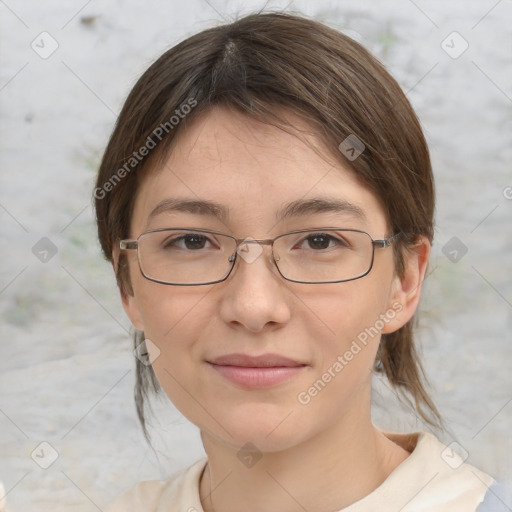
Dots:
{"x": 249, "y": 256}
{"x": 249, "y": 240}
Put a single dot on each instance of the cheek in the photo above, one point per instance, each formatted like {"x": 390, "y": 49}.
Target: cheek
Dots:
{"x": 174, "y": 320}
{"x": 340, "y": 384}
{"x": 343, "y": 314}
{"x": 168, "y": 312}
{"x": 346, "y": 327}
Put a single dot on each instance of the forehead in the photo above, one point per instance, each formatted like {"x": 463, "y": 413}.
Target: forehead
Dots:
{"x": 255, "y": 171}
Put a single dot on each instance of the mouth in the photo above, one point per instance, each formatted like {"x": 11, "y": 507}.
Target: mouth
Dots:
{"x": 252, "y": 372}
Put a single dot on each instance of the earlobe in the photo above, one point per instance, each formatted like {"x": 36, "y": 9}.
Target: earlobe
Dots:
{"x": 407, "y": 288}
{"x": 129, "y": 302}
{"x": 132, "y": 310}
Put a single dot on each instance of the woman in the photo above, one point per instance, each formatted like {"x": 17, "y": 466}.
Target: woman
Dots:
{"x": 267, "y": 200}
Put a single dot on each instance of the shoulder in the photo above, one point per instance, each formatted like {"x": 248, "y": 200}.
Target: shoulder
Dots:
{"x": 182, "y": 490}
{"x": 435, "y": 477}
{"x": 3, "y": 494}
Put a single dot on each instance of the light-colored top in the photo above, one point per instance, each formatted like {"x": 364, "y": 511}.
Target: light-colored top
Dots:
{"x": 432, "y": 479}
{"x": 3, "y": 504}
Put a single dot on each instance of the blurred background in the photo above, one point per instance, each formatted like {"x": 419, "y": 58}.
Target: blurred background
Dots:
{"x": 70, "y": 439}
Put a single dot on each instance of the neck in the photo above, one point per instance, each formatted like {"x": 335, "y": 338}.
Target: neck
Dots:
{"x": 327, "y": 472}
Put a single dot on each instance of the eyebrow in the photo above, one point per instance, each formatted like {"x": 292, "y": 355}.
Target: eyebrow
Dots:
{"x": 298, "y": 208}
{"x": 304, "y": 207}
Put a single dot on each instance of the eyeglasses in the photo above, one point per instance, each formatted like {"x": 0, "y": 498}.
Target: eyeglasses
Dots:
{"x": 192, "y": 257}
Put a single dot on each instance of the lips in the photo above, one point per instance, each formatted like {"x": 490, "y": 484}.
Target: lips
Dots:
{"x": 262, "y": 361}
{"x": 256, "y": 371}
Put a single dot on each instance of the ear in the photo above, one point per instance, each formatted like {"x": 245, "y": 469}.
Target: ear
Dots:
{"x": 130, "y": 305}
{"x": 406, "y": 290}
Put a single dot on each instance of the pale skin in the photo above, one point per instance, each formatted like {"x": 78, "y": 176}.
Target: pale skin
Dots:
{"x": 327, "y": 454}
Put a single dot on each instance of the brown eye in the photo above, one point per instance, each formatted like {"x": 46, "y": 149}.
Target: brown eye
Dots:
{"x": 190, "y": 241}
{"x": 322, "y": 241}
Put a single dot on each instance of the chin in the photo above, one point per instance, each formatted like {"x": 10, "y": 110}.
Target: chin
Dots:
{"x": 268, "y": 428}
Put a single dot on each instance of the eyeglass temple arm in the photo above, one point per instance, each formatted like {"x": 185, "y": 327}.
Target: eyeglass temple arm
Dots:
{"x": 387, "y": 241}
{"x": 128, "y": 244}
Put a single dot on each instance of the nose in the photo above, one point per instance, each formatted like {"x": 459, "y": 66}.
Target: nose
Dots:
{"x": 255, "y": 296}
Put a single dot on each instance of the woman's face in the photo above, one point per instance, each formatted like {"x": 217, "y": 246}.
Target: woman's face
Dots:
{"x": 328, "y": 333}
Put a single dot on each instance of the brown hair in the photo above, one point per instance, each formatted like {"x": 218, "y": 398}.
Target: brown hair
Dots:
{"x": 260, "y": 65}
